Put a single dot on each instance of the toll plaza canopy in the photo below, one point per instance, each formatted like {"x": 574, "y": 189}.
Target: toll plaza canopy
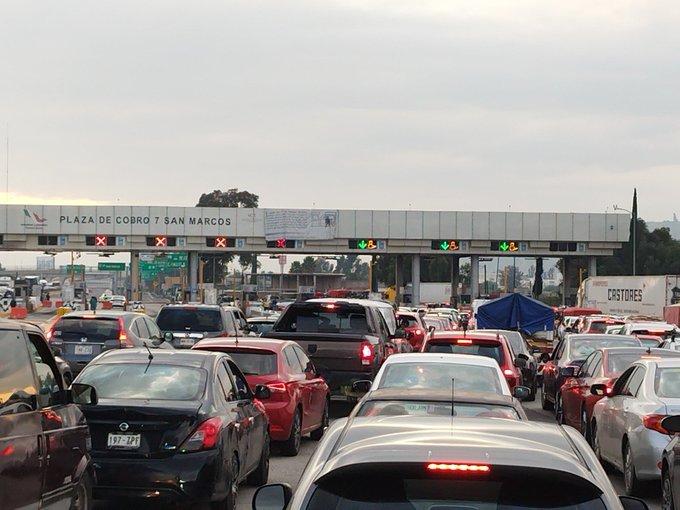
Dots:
{"x": 516, "y": 312}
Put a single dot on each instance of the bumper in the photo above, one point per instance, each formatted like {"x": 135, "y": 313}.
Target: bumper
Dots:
{"x": 182, "y": 477}
{"x": 648, "y": 446}
{"x": 280, "y": 416}
{"x": 340, "y": 383}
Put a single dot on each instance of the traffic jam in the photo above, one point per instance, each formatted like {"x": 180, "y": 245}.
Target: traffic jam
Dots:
{"x": 113, "y": 407}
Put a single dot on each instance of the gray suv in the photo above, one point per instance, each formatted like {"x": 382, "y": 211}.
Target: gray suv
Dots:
{"x": 185, "y": 325}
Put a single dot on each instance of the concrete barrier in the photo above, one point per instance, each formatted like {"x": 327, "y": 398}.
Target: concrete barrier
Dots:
{"x": 107, "y": 305}
{"x": 18, "y": 312}
{"x": 46, "y": 303}
{"x": 59, "y": 303}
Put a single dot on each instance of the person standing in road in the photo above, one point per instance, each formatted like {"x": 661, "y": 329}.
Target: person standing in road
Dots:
{"x": 93, "y": 303}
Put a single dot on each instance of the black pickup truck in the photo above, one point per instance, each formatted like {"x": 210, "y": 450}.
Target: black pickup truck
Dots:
{"x": 347, "y": 340}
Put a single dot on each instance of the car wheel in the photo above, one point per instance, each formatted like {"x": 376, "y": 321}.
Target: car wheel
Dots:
{"x": 317, "y": 434}
{"x": 633, "y": 486}
{"x": 559, "y": 412}
{"x": 261, "y": 474}
{"x": 545, "y": 403}
{"x": 291, "y": 446}
{"x": 667, "y": 491}
{"x": 82, "y": 496}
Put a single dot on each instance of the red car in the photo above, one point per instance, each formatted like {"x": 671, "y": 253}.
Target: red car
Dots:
{"x": 603, "y": 366}
{"x": 414, "y": 326}
{"x": 300, "y": 398}
{"x": 481, "y": 344}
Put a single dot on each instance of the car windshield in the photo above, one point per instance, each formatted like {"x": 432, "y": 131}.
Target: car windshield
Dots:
{"x": 618, "y": 363}
{"x": 667, "y": 382}
{"x": 260, "y": 328}
{"x": 489, "y": 350}
{"x": 255, "y": 363}
{"x": 204, "y": 320}
{"x": 439, "y": 376}
{"x": 324, "y": 318}
{"x": 407, "y": 321}
{"x": 598, "y": 327}
{"x": 420, "y": 408}
{"x": 77, "y": 329}
{"x": 142, "y": 381}
{"x": 581, "y": 348}
{"x": 408, "y": 487}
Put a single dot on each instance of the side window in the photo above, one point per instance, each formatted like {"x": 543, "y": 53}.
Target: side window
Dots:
{"x": 225, "y": 382}
{"x": 47, "y": 378}
{"x": 586, "y": 369}
{"x": 154, "y": 332}
{"x": 302, "y": 357}
{"x": 240, "y": 380}
{"x": 595, "y": 370}
{"x": 141, "y": 326}
{"x": 622, "y": 381}
{"x": 17, "y": 383}
{"x": 560, "y": 350}
{"x": 135, "y": 329}
{"x": 634, "y": 382}
{"x": 231, "y": 322}
{"x": 382, "y": 326}
{"x": 242, "y": 320}
{"x": 292, "y": 361}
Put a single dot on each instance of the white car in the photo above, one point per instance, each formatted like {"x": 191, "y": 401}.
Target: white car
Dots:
{"x": 118, "y": 302}
{"x": 626, "y": 424}
{"x": 659, "y": 329}
{"x": 436, "y": 371}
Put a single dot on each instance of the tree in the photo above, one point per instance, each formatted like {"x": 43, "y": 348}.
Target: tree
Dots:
{"x": 538, "y": 279}
{"x": 230, "y": 198}
{"x": 311, "y": 265}
{"x": 352, "y": 267}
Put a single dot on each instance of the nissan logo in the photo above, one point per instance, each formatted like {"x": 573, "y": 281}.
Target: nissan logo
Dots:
{"x": 124, "y": 427}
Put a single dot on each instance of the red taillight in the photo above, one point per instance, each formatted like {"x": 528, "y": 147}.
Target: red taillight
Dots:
{"x": 205, "y": 437}
{"x": 508, "y": 373}
{"x": 464, "y": 341}
{"x": 125, "y": 342}
{"x": 461, "y": 468}
{"x": 367, "y": 354}
{"x": 653, "y": 422}
{"x": 419, "y": 332}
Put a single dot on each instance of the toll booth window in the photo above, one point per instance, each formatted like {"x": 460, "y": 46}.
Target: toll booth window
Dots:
{"x": 563, "y": 246}
{"x": 47, "y": 240}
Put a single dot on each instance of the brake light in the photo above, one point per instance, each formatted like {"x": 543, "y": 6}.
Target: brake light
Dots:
{"x": 125, "y": 342}
{"x": 508, "y": 373}
{"x": 467, "y": 468}
{"x": 367, "y": 354}
{"x": 205, "y": 437}
{"x": 464, "y": 341}
{"x": 653, "y": 422}
{"x": 419, "y": 332}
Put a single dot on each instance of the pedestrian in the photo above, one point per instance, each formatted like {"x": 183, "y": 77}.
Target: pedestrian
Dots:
{"x": 47, "y": 296}
{"x": 93, "y": 303}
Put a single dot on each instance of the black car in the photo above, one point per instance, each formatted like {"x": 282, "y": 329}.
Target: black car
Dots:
{"x": 191, "y": 323}
{"x": 44, "y": 439}
{"x": 181, "y": 426}
{"x": 520, "y": 348}
{"x": 79, "y": 337}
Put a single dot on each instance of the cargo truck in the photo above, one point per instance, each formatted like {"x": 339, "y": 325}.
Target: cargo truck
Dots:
{"x": 630, "y": 295}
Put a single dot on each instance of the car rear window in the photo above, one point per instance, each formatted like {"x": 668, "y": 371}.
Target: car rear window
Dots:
{"x": 255, "y": 363}
{"x": 667, "y": 382}
{"x": 76, "y": 329}
{"x": 438, "y": 376}
{"x": 581, "y": 348}
{"x": 489, "y": 350}
{"x": 421, "y": 408}
{"x": 260, "y": 328}
{"x": 598, "y": 327}
{"x": 145, "y": 381}
{"x": 201, "y": 320}
{"x": 409, "y": 486}
{"x": 324, "y": 318}
{"x": 407, "y": 321}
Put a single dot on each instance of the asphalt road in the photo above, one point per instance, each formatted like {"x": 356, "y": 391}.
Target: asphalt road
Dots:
{"x": 289, "y": 469}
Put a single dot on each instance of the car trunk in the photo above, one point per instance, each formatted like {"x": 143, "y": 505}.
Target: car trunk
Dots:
{"x": 83, "y": 339}
{"x": 162, "y": 426}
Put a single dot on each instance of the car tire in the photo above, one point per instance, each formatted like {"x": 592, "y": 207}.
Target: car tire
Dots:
{"x": 630, "y": 479}
{"x": 667, "y": 502}
{"x": 82, "y": 495}
{"x": 261, "y": 475}
{"x": 317, "y": 434}
{"x": 291, "y": 446}
{"x": 545, "y": 403}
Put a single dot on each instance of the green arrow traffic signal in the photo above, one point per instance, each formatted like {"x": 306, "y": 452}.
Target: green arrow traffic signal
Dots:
{"x": 504, "y": 246}
{"x": 362, "y": 244}
{"x": 444, "y": 245}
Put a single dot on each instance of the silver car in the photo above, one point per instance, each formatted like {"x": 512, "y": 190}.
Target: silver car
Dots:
{"x": 627, "y": 430}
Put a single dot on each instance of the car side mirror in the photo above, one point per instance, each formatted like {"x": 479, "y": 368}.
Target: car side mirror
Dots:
{"x": 363, "y": 386}
{"x": 432, "y": 329}
{"x": 568, "y": 371}
{"x": 520, "y": 362}
{"x": 629, "y": 503}
{"x": 671, "y": 424}
{"x": 601, "y": 390}
{"x": 521, "y": 393}
{"x": 83, "y": 394}
{"x": 262, "y": 392}
{"x": 400, "y": 333}
{"x": 168, "y": 336}
{"x": 273, "y": 497}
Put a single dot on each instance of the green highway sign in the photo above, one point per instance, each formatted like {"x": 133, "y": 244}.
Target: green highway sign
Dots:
{"x": 76, "y": 268}
{"x": 111, "y": 266}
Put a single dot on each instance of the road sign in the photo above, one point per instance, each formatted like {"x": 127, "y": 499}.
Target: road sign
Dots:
{"x": 76, "y": 268}
{"x": 111, "y": 266}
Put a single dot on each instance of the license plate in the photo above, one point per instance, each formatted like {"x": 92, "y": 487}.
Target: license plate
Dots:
{"x": 124, "y": 441}
{"x": 186, "y": 341}
{"x": 83, "y": 349}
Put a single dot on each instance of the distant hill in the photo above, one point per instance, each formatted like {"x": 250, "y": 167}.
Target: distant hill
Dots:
{"x": 672, "y": 225}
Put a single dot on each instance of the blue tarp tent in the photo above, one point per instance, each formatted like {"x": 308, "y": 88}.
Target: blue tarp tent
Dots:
{"x": 516, "y": 312}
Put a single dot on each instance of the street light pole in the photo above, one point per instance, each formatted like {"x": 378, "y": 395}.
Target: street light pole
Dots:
{"x": 617, "y": 208}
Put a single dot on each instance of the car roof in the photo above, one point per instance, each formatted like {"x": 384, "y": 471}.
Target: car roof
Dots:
{"x": 472, "y": 335}
{"x": 668, "y": 362}
{"x": 489, "y": 441}
{"x": 433, "y": 357}
{"x": 365, "y": 302}
{"x": 250, "y": 343}
{"x": 602, "y": 336}
{"x": 270, "y": 318}
{"x": 424, "y": 394}
{"x": 103, "y": 314}
{"x": 14, "y": 325}
{"x": 185, "y": 357}
{"x": 190, "y": 305}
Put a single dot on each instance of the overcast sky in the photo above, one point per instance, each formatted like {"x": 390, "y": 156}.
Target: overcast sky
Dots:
{"x": 428, "y": 104}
